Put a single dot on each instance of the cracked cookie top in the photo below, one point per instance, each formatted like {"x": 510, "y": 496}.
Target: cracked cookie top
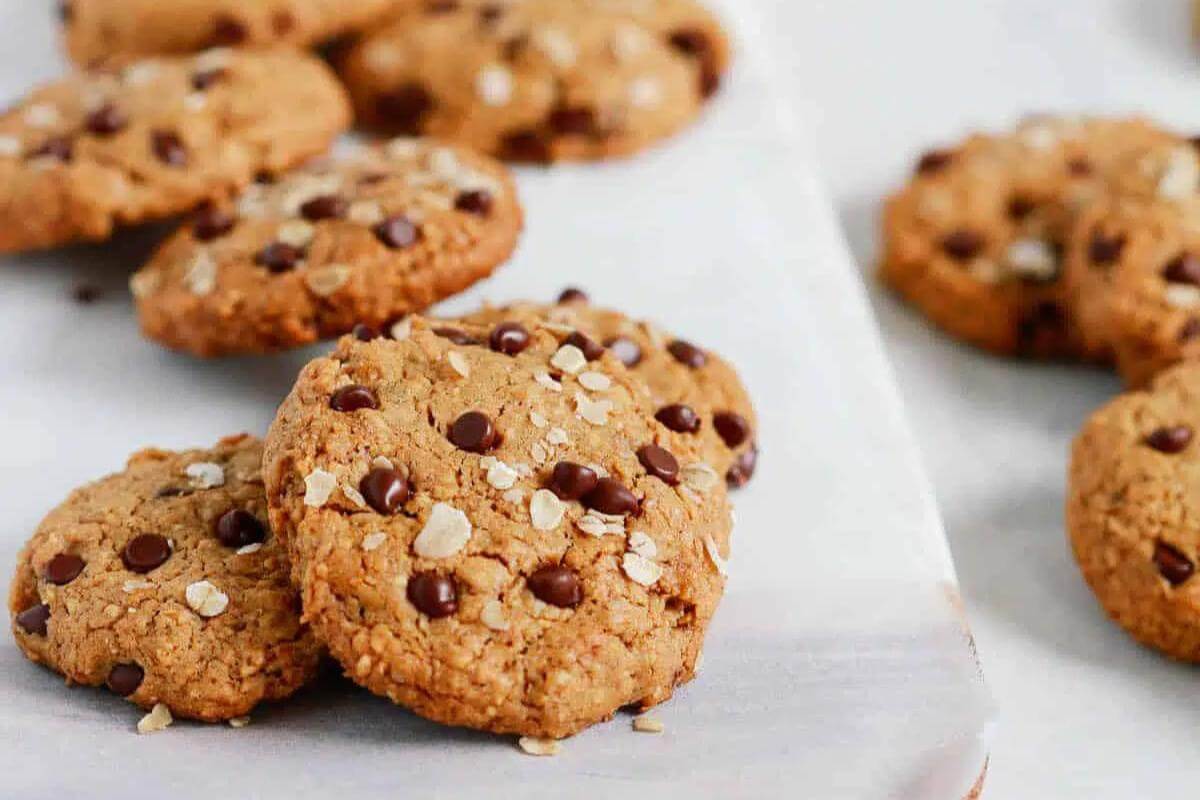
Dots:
{"x": 489, "y": 526}
{"x": 164, "y": 583}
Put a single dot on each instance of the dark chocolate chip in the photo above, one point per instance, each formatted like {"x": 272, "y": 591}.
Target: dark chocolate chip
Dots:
{"x": 279, "y": 257}
{"x": 404, "y": 108}
{"x": 572, "y": 294}
{"x": 326, "y": 206}
{"x": 962, "y": 244}
{"x": 124, "y": 679}
{"x": 205, "y": 78}
{"x": 396, "y": 232}
{"x": 1189, "y": 330}
{"x": 1104, "y": 249}
{"x": 732, "y": 428}
{"x": 742, "y": 469}
{"x": 1046, "y": 320}
{"x": 473, "y": 432}
{"x": 525, "y": 145}
{"x": 679, "y": 418}
{"x": 1172, "y": 564}
{"x": 433, "y": 595}
{"x": 385, "y": 489}
{"x": 1170, "y": 438}
{"x": 169, "y": 148}
{"x": 627, "y": 351}
{"x": 145, "y": 552}
{"x": 353, "y": 398}
{"x": 364, "y": 332}
{"x": 33, "y": 619}
{"x": 590, "y": 348}
{"x": 571, "y": 481}
{"x": 611, "y": 497}
{"x": 556, "y": 585}
{"x": 227, "y": 30}
{"x": 63, "y": 568}
{"x": 659, "y": 462}
{"x": 106, "y": 120}
{"x": 238, "y": 528}
{"x": 1020, "y": 207}
{"x": 690, "y": 41}
{"x": 211, "y": 222}
{"x": 1079, "y": 167}
{"x": 579, "y": 120}
{"x": 509, "y": 338}
{"x": 474, "y": 201}
{"x": 56, "y": 147}
{"x": 933, "y": 161}
{"x": 283, "y": 23}
{"x": 1184, "y": 268}
{"x": 687, "y": 354}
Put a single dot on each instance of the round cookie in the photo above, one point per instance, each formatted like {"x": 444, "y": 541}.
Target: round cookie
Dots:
{"x": 540, "y": 80}
{"x": 96, "y": 29}
{"x": 163, "y": 583}
{"x": 1133, "y": 508}
{"x": 693, "y": 391}
{"x": 976, "y": 239}
{"x": 494, "y": 531}
{"x": 363, "y": 239}
{"x": 119, "y": 145}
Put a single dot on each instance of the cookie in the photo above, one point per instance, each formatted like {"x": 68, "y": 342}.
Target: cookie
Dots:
{"x": 540, "y": 80}
{"x": 976, "y": 239}
{"x": 164, "y": 584}
{"x": 97, "y": 29}
{"x": 116, "y": 146}
{"x": 494, "y": 531}
{"x": 1132, "y": 508}
{"x": 693, "y": 391}
{"x": 363, "y": 239}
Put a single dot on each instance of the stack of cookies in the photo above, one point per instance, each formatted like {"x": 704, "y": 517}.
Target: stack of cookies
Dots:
{"x": 516, "y": 520}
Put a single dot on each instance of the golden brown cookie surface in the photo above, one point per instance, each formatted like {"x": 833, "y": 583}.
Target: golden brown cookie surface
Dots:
{"x": 164, "y": 583}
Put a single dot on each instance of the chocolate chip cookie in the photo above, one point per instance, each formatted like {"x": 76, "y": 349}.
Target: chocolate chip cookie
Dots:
{"x": 97, "y": 29}
{"x": 123, "y": 144}
{"x": 490, "y": 527}
{"x": 693, "y": 391}
{"x": 164, "y": 583}
{"x": 1132, "y": 510}
{"x": 540, "y": 80}
{"x": 363, "y": 239}
{"x": 976, "y": 239}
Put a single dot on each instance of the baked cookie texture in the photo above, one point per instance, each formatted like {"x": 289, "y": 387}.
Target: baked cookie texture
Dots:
{"x": 164, "y": 583}
{"x": 1133, "y": 507}
{"x": 362, "y": 239}
{"x": 139, "y": 141}
{"x": 540, "y": 80}
{"x": 693, "y": 391}
{"x": 98, "y": 29}
{"x": 976, "y": 239}
{"x": 494, "y": 531}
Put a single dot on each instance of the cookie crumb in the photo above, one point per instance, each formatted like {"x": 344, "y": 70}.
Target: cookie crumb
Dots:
{"x": 533, "y": 746}
{"x": 647, "y": 724}
{"x": 157, "y": 720}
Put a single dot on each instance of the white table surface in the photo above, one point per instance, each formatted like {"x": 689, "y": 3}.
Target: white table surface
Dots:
{"x": 1083, "y": 711}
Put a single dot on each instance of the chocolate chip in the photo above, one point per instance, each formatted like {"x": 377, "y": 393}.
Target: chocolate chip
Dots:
{"x": 1045, "y": 319}
{"x": 1170, "y": 438}
{"x": 962, "y": 244}
{"x": 86, "y": 293}
{"x": 404, "y": 108}
{"x": 627, "y": 351}
{"x": 1079, "y": 167}
{"x": 1189, "y": 330}
{"x": 205, "y": 78}
{"x": 679, "y": 418}
{"x": 710, "y": 78}
{"x": 611, "y": 497}
{"x": 455, "y": 335}
{"x": 525, "y": 145}
{"x": 556, "y": 585}
{"x": 579, "y": 120}
{"x": 473, "y": 432}
{"x": 33, "y": 619}
{"x": 211, "y": 222}
{"x": 687, "y": 354}
{"x": 1184, "y": 268}
{"x": 385, "y": 489}
{"x": 1104, "y": 249}
{"x": 1172, "y": 564}
{"x": 145, "y": 552}
{"x": 571, "y": 481}
{"x": 396, "y": 232}
{"x": 572, "y": 295}
{"x": 933, "y": 161}
{"x": 732, "y": 428}
{"x": 364, "y": 332}
{"x": 742, "y": 469}
{"x": 353, "y": 398}
{"x": 589, "y": 347}
{"x": 63, "y": 568}
{"x": 1020, "y": 207}
{"x": 659, "y": 462}
{"x": 124, "y": 679}
{"x": 227, "y": 30}
{"x": 279, "y": 257}
{"x": 56, "y": 147}
{"x": 474, "y": 201}
{"x": 490, "y": 14}
{"x": 106, "y": 120}
{"x": 238, "y": 528}
{"x": 169, "y": 148}
{"x": 690, "y": 41}
{"x": 283, "y": 23}
{"x": 326, "y": 206}
{"x": 434, "y": 595}
{"x": 509, "y": 338}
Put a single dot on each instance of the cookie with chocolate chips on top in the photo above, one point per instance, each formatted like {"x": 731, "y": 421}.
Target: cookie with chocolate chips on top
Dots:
{"x": 359, "y": 240}
{"x": 139, "y": 141}
{"x": 164, "y": 583}
{"x": 540, "y": 80}
{"x": 694, "y": 391}
{"x": 976, "y": 239}
{"x": 1133, "y": 499}
{"x": 97, "y": 29}
{"x": 489, "y": 526}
